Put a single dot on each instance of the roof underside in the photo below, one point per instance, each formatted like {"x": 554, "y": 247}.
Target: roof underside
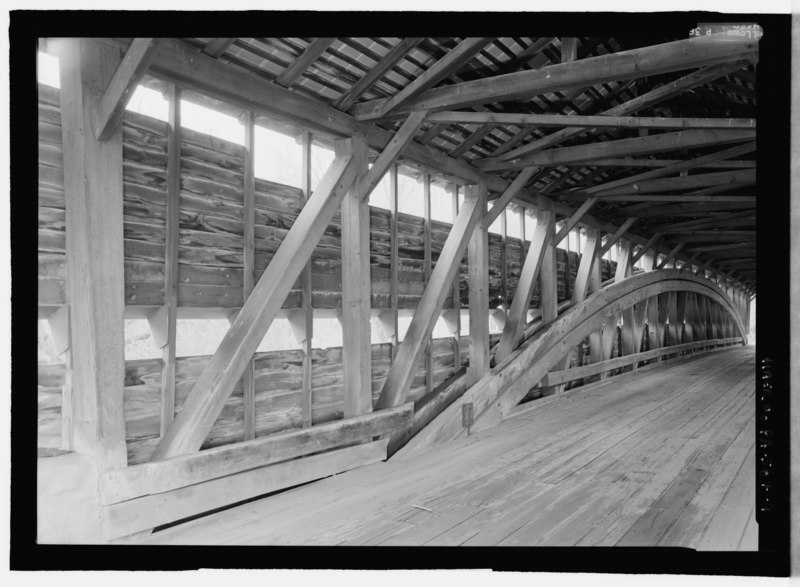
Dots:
{"x": 713, "y": 217}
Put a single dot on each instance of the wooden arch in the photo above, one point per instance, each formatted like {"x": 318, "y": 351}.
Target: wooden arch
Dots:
{"x": 498, "y": 392}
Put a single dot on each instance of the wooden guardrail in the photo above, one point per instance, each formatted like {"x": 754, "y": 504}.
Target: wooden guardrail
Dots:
{"x": 575, "y": 373}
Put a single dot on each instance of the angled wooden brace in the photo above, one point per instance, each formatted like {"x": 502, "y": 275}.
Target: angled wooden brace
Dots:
{"x": 643, "y": 251}
{"x": 588, "y": 259}
{"x": 612, "y": 238}
{"x": 207, "y": 398}
{"x": 121, "y": 87}
{"x": 517, "y": 315}
{"x": 401, "y": 373}
{"x": 574, "y": 219}
{"x": 390, "y": 153}
{"x": 511, "y": 191}
{"x": 633, "y": 317}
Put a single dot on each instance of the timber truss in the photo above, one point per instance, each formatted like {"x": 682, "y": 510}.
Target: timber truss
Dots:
{"x": 694, "y": 232}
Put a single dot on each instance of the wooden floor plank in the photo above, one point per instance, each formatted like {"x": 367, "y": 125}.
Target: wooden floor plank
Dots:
{"x": 700, "y": 509}
{"x": 666, "y": 462}
{"x": 641, "y": 458}
{"x": 732, "y": 515}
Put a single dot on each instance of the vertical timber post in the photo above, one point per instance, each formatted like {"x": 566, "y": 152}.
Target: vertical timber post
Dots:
{"x": 478, "y": 257}
{"x": 394, "y": 269}
{"x": 94, "y": 250}
{"x": 548, "y": 294}
{"x": 249, "y": 219}
{"x": 308, "y": 298}
{"x": 356, "y": 292}
{"x": 456, "y": 323}
{"x": 428, "y": 267}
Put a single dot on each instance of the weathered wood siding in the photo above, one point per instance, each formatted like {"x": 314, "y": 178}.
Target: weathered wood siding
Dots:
{"x": 210, "y": 275}
{"x": 210, "y": 240}
{"x": 278, "y": 385}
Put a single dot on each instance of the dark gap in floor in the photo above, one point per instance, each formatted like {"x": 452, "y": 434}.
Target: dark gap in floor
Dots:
{"x": 231, "y": 506}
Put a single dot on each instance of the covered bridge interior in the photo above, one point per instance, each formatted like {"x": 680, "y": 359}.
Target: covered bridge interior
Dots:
{"x": 537, "y": 255}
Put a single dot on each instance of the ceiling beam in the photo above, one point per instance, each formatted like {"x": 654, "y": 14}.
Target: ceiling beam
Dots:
{"x": 675, "y": 168}
{"x": 724, "y": 247}
{"x": 636, "y": 63}
{"x": 453, "y": 60}
{"x": 388, "y": 61}
{"x": 659, "y": 94}
{"x": 714, "y": 221}
{"x": 712, "y": 236}
{"x": 311, "y": 53}
{"x": 121, "y": 87}
{"x": 217, "y": 47}
{"x": 660, "y": 143}
{"x": 599, "y": 121}
{"x": 677, "y": 184}
{"x": 631, "y": 162}
{"x": 685, "y": 198}
{"x": 647, "y": 210}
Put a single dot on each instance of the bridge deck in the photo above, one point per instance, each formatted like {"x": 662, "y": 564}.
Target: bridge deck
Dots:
{"x": 663, "y": 457}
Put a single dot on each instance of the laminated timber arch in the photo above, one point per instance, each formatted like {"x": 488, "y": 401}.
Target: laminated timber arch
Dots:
{"x": 497, "y": 393}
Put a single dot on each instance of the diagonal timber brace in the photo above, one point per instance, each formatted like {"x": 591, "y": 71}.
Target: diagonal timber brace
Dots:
{"x": 515, "y": 323}
{"x": 401, "y": 373}
{"x": 207, "y": 398}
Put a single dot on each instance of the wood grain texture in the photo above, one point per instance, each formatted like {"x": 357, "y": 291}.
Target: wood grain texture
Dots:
{"x": 356, "y": 288}
{"x": 191, "y": 425}
{"x": 210, "y": 246}
{"x": 589, "y": 470}
{"x": 94, "y": 247}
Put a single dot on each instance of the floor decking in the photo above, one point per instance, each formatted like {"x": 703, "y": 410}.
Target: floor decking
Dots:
{"x": 663, "y": 457}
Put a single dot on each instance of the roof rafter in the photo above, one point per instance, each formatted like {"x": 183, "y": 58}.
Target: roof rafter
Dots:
{"x": 445, "y": 67}
{"x": 659, "y": 143}
{"x": 659, "y": 94}
{"x": 306, "y": 58}
{"x": 679, "y": 166}
{"x": 664, "y": 58}
{"x": 671, "y": 184}
{"x": 600, "y": 121}
{"x": 394, "y": 55}
{"x": 217, "y": 47}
